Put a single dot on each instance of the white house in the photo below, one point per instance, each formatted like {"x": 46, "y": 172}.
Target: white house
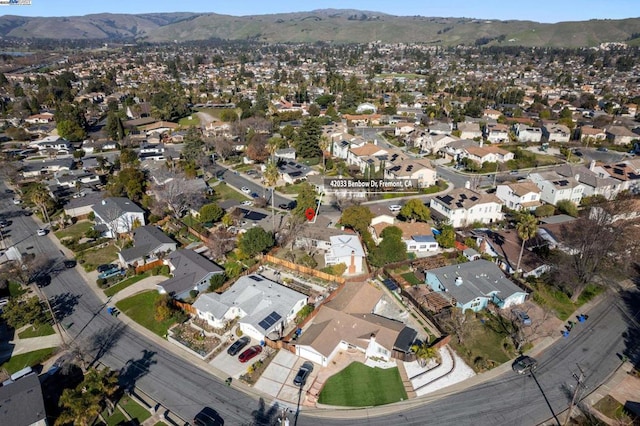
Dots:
{"x": 346, "y": 249}
{"x": 523, "y": 195}
{"x": 117, "y": 215}
{"x": 149, "y": 243}
{"x": 263, "y": 307}
{"x": 473, "y": 285}
{"x": 469, "y": 130}
{"x": 42, "y": 118}
{"x": 527, "y": 133}
{"x": 54, "y": 143}
{"x": 554, "y": 187}
{"x": 556, "y": 132}
{"x": 411, "y": 169}
{"x": 190, "y": 272}
{"x": 487, "y": 154}
{"x": 417, "y": 236}
{"x": 620, "y": 135}
{"x": 462, "y": 207}
{"x": 497, "y": 133}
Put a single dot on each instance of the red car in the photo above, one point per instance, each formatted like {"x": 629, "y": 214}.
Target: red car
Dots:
{"x": 250, "y": 353}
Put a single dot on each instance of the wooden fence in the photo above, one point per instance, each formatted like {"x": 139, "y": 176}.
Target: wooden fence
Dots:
{"x": 185, "y": 307}
{"x": 144, "y": 268}
{"x": 303, "y": 269}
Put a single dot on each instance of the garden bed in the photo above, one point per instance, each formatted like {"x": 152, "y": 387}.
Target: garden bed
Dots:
{"x": 195, "y": 340}
{"x": 256, "y": 369}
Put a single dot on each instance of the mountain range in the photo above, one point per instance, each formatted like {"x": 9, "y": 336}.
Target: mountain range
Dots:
{"x": 328, "y": 25}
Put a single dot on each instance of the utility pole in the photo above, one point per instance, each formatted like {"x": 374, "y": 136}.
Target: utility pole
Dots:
{"x": 580, "y": 384}
{"x": 495, "y": 176}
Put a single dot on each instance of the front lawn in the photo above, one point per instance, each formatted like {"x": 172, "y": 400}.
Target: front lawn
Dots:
{"x": 116, "y": 418}
{"x": 361, "y": 386}
{"x": 15, "y": 289}
{"x": 92, "y": 258}
{"x": 411, "y": 278}
{"x": 223, "y": 192}
{"x": 134, "y": 410}
{"x": 29, "y": 359}
{"x": 558, "y": 302}
{"x": 140, "y": 308}
{"x": 189, "y": 120}
{"x": 42, "y": 330}
{"x": 125, "y": 283}
{"x": 76, "y": 230}
{"x": 291, "y": 189}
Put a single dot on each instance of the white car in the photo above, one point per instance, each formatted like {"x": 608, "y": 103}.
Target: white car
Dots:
{"x": 395, "y": 208}
{"x": 245, "y": 190}
{"x": 247, "y": 203}
{"x": 17, "y": 201}
{"x": 41, "y": 232}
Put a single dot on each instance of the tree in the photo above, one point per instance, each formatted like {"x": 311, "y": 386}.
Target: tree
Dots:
{"x": 414, "y": 210}
{"x": 193, "y": 146}
{"x": 357, "y": 218}
{"x": 129, "y": 182}
{"x": 217, "y": 281}
{"x": 545, "y": 210}
{"x": 211, "y": 213}
{"x": 222, "y": 146}
{"x": 42, "y": 199}
{"x": 391, "y": 248}
{"x": 456, "y": 322}
{"x": 82, "y": 404}
{"x": 308, "y": 145}
{"x": 257, "y": 149}
{"x": 19, "y": 313}
{"x": 255, "y": 240}
{"x": 114, "y": 127}
{"x": 128, "y": 158}
{"x": 447, "y": 237}
{"x": 271, "y": 174}
{"x": 220, "y": 242}
{"x": 176, "y": 191}
{"x": 424, "y": 352}
{"x": 567, "y": 207}
{"x": 71, "y": 122}
{"x": 527, "y": 228}
{"x": 306, "y": 199}
{"x": 71, "y": 130}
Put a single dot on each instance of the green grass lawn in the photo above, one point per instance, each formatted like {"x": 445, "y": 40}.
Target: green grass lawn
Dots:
{"x": 223, "y": 192}
{"x": 290, "y": 189}
{"x": 411, "y": 278}
{"x": 190, "y": 120}
{"x": 361, "y": 386}
{"x": 74, "y": 231}
{"x": 15, "y": 289}
{"x": 29, "y": 359}
{"x": 43, "y": 330}
{"x": 115, "y": 419}
{"x": 125, "y": 283}
{"x": 613, "y": 409}
{"x": 559, "y": 303}
{"x": 93, "y": 258}
{"x": 134, "y": 410}
{"x": 140, "y": 308}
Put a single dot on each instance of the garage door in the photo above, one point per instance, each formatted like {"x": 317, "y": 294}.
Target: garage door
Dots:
{"x": 307, "y": 353}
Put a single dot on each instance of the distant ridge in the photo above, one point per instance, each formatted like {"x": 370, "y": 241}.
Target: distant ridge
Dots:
{"x": 328, "y": 25}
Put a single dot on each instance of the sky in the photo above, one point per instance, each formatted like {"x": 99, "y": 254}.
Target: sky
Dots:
{"x": 537, "y": 10}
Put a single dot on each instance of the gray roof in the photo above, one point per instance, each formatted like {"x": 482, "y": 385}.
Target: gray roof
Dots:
{"x": 480, "y": 278}
{"x": 44, "y": 164}
{"x": 190, "y": 269}
{"x": 462, "y": 198}
{"x": 586, "y": 176}
{"x": 113, "y": 207}
{"x": 90, "y": 198}
{"x": 146, "y": 239}
{"x": 21, "y": 402}
{"x": 257, "y": 296}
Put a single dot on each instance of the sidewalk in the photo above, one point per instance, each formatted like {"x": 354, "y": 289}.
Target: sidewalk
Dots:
{"x": 450, "y": 188}
{"x": 148, "y": 283}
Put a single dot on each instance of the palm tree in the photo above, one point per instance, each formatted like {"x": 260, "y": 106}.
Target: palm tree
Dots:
{"x": 271, "y": 176}
{"x": 83, "y": 404}
{"x": 40, "y": 197}
{"x": 527, "y": 228}
{"x": 424, "y": 352}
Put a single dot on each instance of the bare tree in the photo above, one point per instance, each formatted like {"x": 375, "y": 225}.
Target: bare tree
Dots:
{"x": 458, "y": 323}
{"x": 290, "y": 229}
{"x": 220, "y": 242}
{"x": 222, "y": 146}
{"x": 176, "y": 191}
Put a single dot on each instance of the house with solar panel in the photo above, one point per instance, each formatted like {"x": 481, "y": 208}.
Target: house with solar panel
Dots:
{"x": 555, "y": 187}
{"x": 190, "y": 271}
{"x": 263, "y": 307}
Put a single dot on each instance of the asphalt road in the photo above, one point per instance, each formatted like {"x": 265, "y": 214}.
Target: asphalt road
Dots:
{"x": 238, "y": 181}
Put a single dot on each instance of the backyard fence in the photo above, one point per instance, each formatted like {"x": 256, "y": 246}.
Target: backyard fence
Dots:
{"x": 144, "y": 268}
{"x": 303, "y": 269}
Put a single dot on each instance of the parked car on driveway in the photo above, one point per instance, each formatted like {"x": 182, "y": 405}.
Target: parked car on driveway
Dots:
{"x": 105, "y": 267}
{"x": 395, "y": 208}
{"x": 303, "y": 374}
{"x": 250, "y": 353}
{"x": 245, "y": 190}
{"x": 41, "y": 232}
{"x": 238, "y": 345}
{"x": 524, "y": 365}
{"x": 522, "y": 317}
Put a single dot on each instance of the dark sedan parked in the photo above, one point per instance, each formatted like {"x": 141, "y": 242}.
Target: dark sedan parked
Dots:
{"x": 524, "y": 365}
{"x": 303, "y": 374}
{"x": 238, "y": 345}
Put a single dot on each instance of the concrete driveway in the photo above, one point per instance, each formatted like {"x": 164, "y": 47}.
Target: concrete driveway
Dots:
{"x": 277, "y": 379}
{"x": 230, "y": 364}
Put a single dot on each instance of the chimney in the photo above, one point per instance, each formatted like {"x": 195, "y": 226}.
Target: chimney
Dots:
{"x": 352, "y": 265}
{"x": 481, "y": 143}
{"x": 592, "y": 165}
{"x": 458, "y": 281}
{"x": 467, "y": 185}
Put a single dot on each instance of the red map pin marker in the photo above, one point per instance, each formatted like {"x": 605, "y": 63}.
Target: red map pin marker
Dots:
{"x": 310, "y": 213}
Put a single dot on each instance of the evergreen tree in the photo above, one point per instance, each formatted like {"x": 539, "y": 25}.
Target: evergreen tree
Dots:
{"x": 308, "y": 145}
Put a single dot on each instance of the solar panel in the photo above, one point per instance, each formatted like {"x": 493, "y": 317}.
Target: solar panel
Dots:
{"x": 388, "y": 283}
{"x": 255, "y": 277}
{"x": 271, "y": 319}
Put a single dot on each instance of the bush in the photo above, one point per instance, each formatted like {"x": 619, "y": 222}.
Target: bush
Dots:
{"x": 239, "y": 332}
{"x": 102, "y": 282}
{"x": 545, "y": 211}
{"x": 193, "y": 294}
{"x": 91, "y": 216}
{"x": 567, "y": 207}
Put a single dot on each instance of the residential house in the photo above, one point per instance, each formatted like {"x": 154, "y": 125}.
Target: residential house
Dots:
{"x": 404, "y": 128}
{"x": 38, "y": 168}
{"x": 149, "y": 243}
{"x": 455, "y": 150}
{"x": 487, "y": 154}
{"x": 22, "y": 403}
{"x": 627, "y": 172}
{"x": 440, "y": 128}
{"x": 53, "y": 144}
{"x": 117, "y": 215}
{"x": 286, "y": 154}
{"x": 555, "y": 187}
{"x": 317, "y": 236}
{"x": 462, "y": 207}
{"x": 190, "y": 272}
{"x": 556, "y": 132}
{"x": 620, "y": 135}
{"x": 264, "y": 308}
{"x": 41, "y": 118}
{"x": 417, "y": 236}
{"x": 491, "y": 113}
{"x": 505, "y": 246}
{"x": 524, "y": 195}
{"x": 82, "y": 206}
{"x": 348, "y": 322}
{"x": 292, "y": 171}
{"x": 595, "y": 180}
{"x": 159, "y": 127}
{"x": 418, "y": 170}
{"x": 473, "y": 285}
{"x": 592, "y": 134}
{"x": 363, "y": 119}
{"x": 527, "y": 133}
{"x": 359, "y": 156}
{"x": 366, "y": 107}
{"x": 346, "y": 249}
{"x": 497, "y": 133}
{"x": 340, "y": 149}
{"x": 432, "y": 143}
{"x": 469, "y": 130}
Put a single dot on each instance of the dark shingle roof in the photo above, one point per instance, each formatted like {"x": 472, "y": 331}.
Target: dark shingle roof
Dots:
{"x": 21, "y": 403}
